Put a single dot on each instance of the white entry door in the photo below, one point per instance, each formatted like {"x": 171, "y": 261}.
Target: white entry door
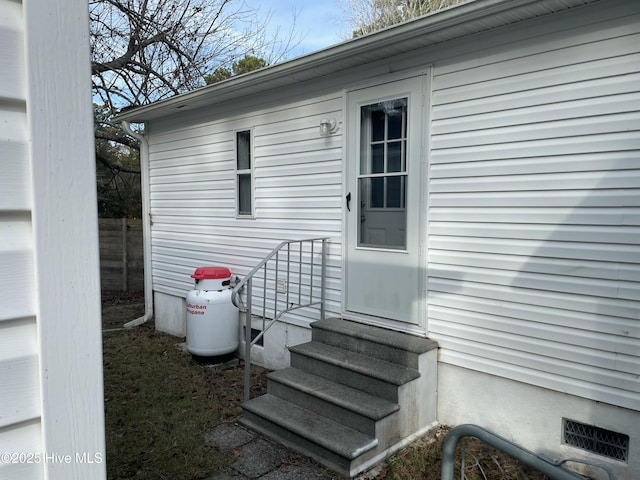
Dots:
{"x": 384, "y": 278}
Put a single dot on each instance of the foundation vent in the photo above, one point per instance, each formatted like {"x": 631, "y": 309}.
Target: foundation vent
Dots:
{"x": 596, "y": 440}
{"x": 254, "y": 333}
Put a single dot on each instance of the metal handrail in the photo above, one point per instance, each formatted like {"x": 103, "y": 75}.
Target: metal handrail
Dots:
{"x": 290, "y": 301}
{"x": 551, "y": 468}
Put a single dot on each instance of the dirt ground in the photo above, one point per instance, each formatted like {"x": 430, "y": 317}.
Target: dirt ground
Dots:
{"x": 121, "y": 307}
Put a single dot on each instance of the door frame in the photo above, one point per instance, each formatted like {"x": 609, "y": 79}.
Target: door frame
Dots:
{"x": 419, "y": 329}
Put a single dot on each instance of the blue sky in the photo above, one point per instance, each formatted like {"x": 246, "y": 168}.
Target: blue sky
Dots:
{"x": 318, "y": 21}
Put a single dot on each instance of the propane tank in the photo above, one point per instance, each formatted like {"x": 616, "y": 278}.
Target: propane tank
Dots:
{"x": 212, "y": 320}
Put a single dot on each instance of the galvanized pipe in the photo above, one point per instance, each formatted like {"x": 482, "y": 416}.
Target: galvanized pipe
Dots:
{"x": 521, "y": 454}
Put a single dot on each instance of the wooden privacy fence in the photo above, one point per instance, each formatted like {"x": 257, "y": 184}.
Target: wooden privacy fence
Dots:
{"x": 121, "y": 257}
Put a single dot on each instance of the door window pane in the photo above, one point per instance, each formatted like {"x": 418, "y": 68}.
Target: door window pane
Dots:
{"x": 377, "y": 158}
{"x": 382, "y": 227}
{"x": 377, "y": 192}
{"x": 377, "y": 125}
{"x": 396, "y": 123}
{"x": 382, "y": 176}
{"x": 395, "y": 192}
{"x": 394, "y": 157}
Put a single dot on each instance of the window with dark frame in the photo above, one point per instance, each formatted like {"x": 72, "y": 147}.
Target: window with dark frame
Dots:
{"x": 244, "y": 173}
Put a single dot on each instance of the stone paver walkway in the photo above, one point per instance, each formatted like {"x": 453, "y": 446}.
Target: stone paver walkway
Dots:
{"x": 259, "y": 458}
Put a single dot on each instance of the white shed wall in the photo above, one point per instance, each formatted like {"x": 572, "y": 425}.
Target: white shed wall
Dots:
{"x": 51, "y": 402}
{"x": 534, "y": 208}
{"x": 20, "y": 393}
{"x": 298, "y": 185}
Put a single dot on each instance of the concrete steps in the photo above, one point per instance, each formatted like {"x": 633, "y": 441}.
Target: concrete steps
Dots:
{"x": 351, "y": 396}
{"x": 343, "y": 404}
{"x": 315, "y": 435}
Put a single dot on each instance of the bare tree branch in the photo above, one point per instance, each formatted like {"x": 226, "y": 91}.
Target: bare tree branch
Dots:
{"x": 367, "y": 16}
{"x": 114, "y": 167}
{"x": 146, "y": 50}
{"x": 114, "y": 137}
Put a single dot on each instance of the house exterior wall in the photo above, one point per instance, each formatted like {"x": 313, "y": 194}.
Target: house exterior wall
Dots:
{"x": 50, "y": 344}
{"x": 533, "y": 209}
{"x": 534, "y": 245}
{"x": 534, "y": 195}
{"x": 532, "y": 202}
{"x": 298, "y": 184}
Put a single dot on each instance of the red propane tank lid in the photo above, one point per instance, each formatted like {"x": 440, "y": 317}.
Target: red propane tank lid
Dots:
{"x": 207, "y": 273}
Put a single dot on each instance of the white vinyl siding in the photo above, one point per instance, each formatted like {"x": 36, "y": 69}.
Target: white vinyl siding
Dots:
{"x": 49, "y": 266}
{"x": 532, "y": 194}
{"x": 297, "y": 186}
{"x": 20, "y": 393}
{"x": 534, "y": 211}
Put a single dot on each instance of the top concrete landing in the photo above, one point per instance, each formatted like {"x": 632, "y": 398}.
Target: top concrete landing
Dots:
{"x": 391, "y": 338}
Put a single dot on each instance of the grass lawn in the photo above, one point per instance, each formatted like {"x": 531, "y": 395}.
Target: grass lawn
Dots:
{"x": 159, "y": 404}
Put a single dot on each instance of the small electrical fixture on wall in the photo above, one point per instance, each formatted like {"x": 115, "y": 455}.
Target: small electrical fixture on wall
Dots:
{"x": 328, "y": 126}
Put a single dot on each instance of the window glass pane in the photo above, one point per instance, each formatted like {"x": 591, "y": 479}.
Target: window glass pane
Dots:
{"x": 381, "y": 199}
{"x": 394, "y": 157}
{"x": 379, "y": 226}
{"x": 395, "y": 122}
{"x": 243, "y": 148}
{"x": 244, "y": 194}
{"x": 377, "y": 158}
{"x": 377, "y": 192}
{"x": 363, "y": 191}
{"x": 377, "y": 124}
{"x": 395, "y": 192}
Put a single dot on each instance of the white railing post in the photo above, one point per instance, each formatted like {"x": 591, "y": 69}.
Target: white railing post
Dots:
{"x": 323, "y": 279}
{"x": 247, "y": 344}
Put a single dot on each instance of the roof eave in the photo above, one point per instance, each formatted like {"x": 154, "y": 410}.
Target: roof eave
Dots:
{"x": 330, "y": 60}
